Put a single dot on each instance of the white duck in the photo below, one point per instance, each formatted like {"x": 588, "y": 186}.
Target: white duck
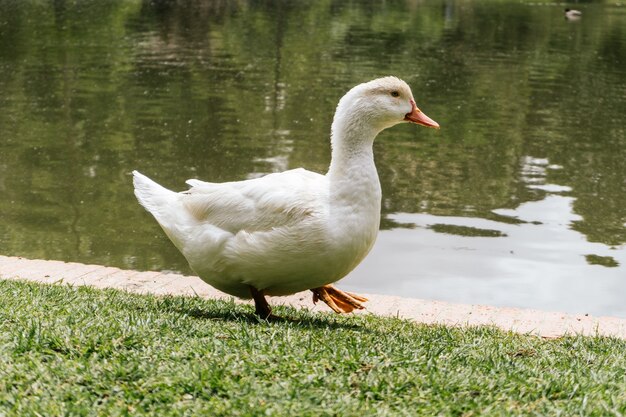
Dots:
{"x": 295, "y": 230}
{"x": 572, "y": 14}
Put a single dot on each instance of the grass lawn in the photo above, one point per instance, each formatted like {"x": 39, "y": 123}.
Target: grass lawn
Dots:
{"x": 80, "y": 351}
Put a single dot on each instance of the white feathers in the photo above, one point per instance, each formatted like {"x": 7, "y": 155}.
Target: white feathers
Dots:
{"x": 276, "y": 200}
{"x": 152, "y": 196}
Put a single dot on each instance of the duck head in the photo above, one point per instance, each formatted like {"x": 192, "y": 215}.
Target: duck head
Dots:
{"x": 382, "y": 103}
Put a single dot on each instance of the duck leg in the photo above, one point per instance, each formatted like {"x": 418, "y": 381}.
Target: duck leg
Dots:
{"x": 261, "y": 307}
{"x": 339, "y": 301}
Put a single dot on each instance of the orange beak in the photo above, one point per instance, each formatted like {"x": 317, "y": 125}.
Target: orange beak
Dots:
{"x": 418, "y": 117}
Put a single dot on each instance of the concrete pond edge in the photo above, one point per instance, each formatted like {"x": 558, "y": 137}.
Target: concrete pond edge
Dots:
{"x": 545, "y": 324}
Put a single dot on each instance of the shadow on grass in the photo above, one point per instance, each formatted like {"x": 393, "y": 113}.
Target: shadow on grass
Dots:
{"x": 225, "y": 310}
{"x": 287, "y": 316}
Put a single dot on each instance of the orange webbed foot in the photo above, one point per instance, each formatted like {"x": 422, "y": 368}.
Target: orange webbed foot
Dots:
{"x": 339, "y": 301}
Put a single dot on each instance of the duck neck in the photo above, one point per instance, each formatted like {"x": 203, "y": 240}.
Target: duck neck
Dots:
{"x": 352, "y": 171}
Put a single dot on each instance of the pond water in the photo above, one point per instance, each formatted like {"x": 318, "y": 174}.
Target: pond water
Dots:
{"x": 519, "y": 199}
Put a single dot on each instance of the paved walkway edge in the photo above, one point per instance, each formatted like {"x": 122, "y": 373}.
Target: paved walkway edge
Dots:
{"x": 540, "y": 323}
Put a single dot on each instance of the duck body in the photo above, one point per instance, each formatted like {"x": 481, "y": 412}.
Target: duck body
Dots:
{"x": 295, "y": 230}
{"x": 279, "y": 233}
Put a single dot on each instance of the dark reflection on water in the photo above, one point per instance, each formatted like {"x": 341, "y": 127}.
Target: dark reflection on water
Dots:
{"x": 531, "y": 106}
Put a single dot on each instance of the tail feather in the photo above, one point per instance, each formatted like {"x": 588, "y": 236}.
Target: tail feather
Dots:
{"x": 153, "y": 197}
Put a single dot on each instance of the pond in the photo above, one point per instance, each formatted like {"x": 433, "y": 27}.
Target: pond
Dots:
{"x": 519, "y": 200}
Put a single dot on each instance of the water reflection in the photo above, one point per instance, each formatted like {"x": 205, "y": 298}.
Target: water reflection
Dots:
{"x": 531, "y": 106}
{"x": 537, "y": 260}
{"x": 541, "y": 263}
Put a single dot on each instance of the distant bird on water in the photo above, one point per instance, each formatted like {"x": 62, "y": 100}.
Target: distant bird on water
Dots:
{"x": 572, "y": 14}
{"x": 295, "y": 230}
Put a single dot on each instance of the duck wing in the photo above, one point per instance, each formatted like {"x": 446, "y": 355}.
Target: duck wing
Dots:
{"x": 261, "y": 204}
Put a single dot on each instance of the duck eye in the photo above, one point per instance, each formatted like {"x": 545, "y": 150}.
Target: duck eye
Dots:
{"x": 395, "y": 94}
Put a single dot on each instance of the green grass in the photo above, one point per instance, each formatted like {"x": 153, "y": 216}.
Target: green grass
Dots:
{"x": 80, "y": 351}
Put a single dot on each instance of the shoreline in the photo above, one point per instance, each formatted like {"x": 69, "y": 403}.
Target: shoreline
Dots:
{"x": 547, "y": 324}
